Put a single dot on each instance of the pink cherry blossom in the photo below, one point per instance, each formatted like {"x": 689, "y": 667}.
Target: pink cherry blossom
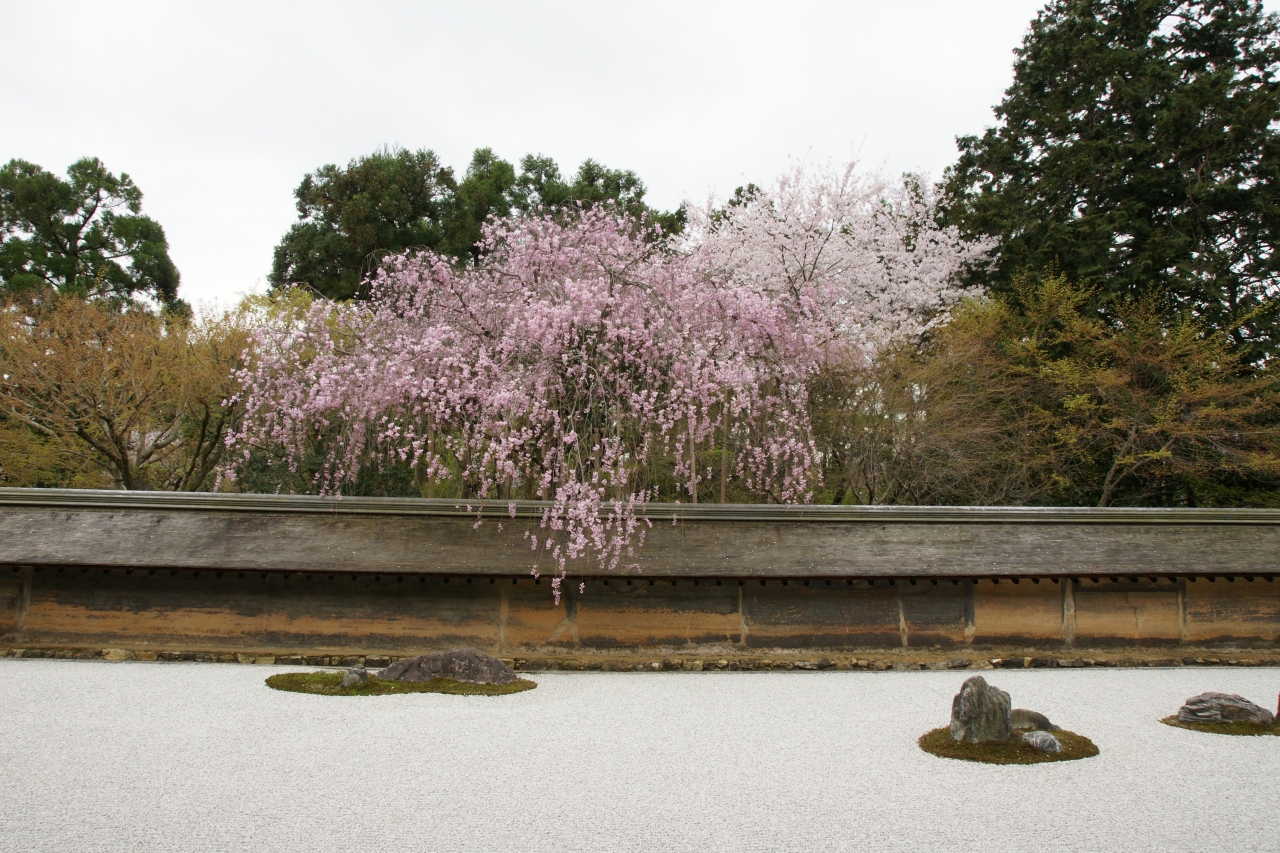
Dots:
{"x": 579, "y": 358}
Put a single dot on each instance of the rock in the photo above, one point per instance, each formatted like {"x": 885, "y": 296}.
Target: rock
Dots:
{"x": 1021, "y": 718}
{"x": 1224, "y": 708}
{"x": 117, "y": 654}
{"x": 979, "y": 712}
{"x": 1042, "y": 741}
{"x": 470, "y": 665}
{"x": 354, "y": 677}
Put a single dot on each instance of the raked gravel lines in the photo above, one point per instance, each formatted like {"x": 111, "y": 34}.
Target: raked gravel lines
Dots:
{"x": 98, "y": 756}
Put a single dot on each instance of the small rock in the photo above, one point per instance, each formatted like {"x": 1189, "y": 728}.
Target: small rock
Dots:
{"x": 656, "y": 665}
{"x": 959, "y": 663}
{"x": 145, "y": 656}
{"x": 354, "y": 677}
{"x": 117, "y": 654}
{"x": 470, "y": 665}
{"x": 265, "y": 660}
{"x": 806, "y": 664}
{"x": 693, "y": 665}
{"x": 1042, "y": 741}
{"x": 1223, "y": 707}
{"x": 1021, "y": 718}
{"x": 377, "y": 661}
{"x": 980, "y": 712}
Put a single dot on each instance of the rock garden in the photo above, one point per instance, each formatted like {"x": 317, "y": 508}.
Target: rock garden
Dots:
{"x": 986, "y": 728}
{"x": 465, "y": 672}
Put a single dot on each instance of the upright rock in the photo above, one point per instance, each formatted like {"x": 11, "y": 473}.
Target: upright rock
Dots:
{"x": 1223, "y": 708}
{"x": 470, "y": 665}
{"x": 980, "y": 712}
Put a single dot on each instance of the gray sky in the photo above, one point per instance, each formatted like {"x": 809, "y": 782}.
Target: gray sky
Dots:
{"x": 217, "y": 110}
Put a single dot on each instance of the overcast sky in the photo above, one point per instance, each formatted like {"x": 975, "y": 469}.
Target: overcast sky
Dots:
{"x": 218, "y": 110}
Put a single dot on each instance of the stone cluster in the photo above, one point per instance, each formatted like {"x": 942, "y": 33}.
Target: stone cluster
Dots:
{"x": 981, "y": 713}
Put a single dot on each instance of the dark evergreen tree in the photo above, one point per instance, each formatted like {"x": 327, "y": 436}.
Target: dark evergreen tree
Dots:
{"x": 348, "y": 218}
{"x": 485, "y": 191}
{"x": 83, "y": 236}
{"x": 1138, "y": 152}
{"x": 396, "y": 200}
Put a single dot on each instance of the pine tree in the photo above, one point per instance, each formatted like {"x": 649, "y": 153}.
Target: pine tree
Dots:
{"x": 1138, "y": 152}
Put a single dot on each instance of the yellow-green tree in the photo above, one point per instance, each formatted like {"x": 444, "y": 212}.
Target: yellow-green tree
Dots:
{"x": 95, "y": 396}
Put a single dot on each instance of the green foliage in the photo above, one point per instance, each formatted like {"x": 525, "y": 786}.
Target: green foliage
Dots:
{"x": 268, "y": 471}
{"x": 1012, "y": 751}
{"x": 330, "y": 684}
{"x": 387, "y": 202}
{"x": 485, "y": 191}
{"x": 1138, "y": 152}
{"x": 1037, "y": 399}
{"x": 397, "y": 200}
{"x": 1137, "y": 408}
{"x": 83, "y": 236}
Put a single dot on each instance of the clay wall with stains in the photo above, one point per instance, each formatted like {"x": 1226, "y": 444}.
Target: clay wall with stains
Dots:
{"x": 323, "y": 614}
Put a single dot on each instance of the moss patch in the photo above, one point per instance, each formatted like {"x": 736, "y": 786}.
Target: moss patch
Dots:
{"x": 329, "y": 684}
{"x": 1247, "y": 729}
{"x": 1012, "y": 751}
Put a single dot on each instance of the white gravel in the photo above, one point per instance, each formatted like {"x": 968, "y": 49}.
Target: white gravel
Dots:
{"x": 99, "y": 756}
